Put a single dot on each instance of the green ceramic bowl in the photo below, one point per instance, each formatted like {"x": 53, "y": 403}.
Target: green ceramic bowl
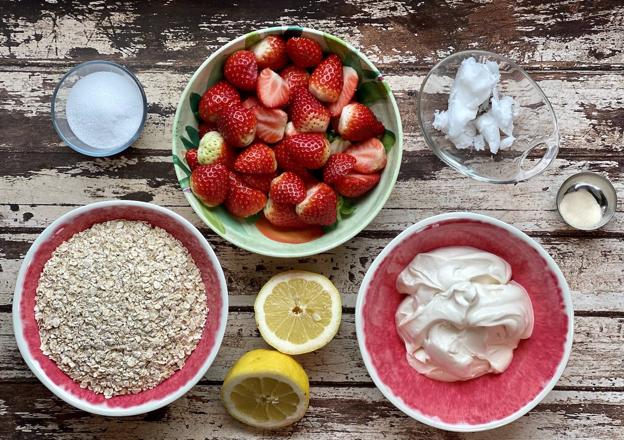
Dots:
{"x": 373, "y": 91}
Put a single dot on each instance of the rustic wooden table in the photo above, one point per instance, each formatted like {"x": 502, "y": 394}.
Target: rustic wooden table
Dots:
{"x": 573, "y": 49}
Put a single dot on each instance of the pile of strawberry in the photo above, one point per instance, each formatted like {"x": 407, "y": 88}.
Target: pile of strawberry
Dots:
{"x": 264, "y": 135}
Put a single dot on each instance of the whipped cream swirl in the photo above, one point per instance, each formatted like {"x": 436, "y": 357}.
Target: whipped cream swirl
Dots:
{"x": 463, "y": 316}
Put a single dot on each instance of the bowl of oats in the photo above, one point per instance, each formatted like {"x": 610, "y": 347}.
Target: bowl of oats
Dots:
{"x": 120, "y": 307}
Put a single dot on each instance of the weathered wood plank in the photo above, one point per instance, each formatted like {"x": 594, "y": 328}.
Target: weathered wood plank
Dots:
{"x": 592, "y": 267}
{"x": 596, "y": 359}
{"x": 590, "y": 115}
{"x": 554, "y": 34}
{"x": 337, "y": 413}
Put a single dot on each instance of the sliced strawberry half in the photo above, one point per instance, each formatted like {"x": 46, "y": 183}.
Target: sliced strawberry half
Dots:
{"x": 339, "y": 164}
{"x": 349, "y": 86}
{"x": 210, "y": 184}
{"x": 271, "y": 89}
{"x": 327, "y": 79}
{"x": 270, "y": 52}
{"x": 283, "y": 216}
{"x": 310, "y": 150}
{"x": 241, "y": 70}
{"x": 256, "y": 159}
{"x": 242, "y": 200}
{"x": 290, "y": 130}
{"x": 319, "y": 206}
{"x": 237, "y": 124}
{"x": 307, "y": 113}
{"x": 304, "y": 52}
{"x": 288, "y": 188}
{"x": 358, "y": 123}
{"x": 272, "y": 122}
{"x": 356, "y": 185}
{"x": 370, "y": 156}
{"x": 215, "y": 99}
{"x": 295, "y": 77}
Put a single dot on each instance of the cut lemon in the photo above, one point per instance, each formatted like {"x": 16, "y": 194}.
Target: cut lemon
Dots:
{"x": 266, "y": 389}
{"x": 298, "y": 312}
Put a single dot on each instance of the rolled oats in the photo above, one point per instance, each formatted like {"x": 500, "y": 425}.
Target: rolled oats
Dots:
{"x": 120, "y": 307}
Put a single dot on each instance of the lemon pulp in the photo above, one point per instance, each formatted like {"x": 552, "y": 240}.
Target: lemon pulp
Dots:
{"x": 298, "y": 312}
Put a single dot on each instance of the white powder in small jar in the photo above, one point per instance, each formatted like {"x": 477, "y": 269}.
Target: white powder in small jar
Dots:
{"x": 581, "y": 210}
{"x": 104, "y": 109}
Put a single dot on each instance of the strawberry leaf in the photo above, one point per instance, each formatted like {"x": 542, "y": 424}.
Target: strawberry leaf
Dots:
{"x": 371, "y": 92}
{"x": 177, "y": 161}
{"x": 194, "y": 102}
{"x": 330, "y": 228}
{"x": 347, "y": 208}
{"x": 331, "y": 135}
{"x": 187, "y": 144}
{"x": 252, "y": 218}
{"x": 388, "y": 140}
{"x": 193, "y": 135}
{"x": 293, "y": 31}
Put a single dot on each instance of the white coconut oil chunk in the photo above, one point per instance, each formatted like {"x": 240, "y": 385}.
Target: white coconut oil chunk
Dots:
{"x": 581, "y": 210}
{"x": 104, "y": 109}
{"x": 476, "y": 116}
{"x": 463, "y": 316}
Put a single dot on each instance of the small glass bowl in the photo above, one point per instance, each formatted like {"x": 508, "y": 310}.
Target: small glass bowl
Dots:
{"x": 535, "y": 125}
{"x": 59, "y": 102}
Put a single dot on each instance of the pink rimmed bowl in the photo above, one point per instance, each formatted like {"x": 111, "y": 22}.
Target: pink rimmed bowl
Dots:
{"x": 27, "y": 331}
{"x": 489, "y": 401}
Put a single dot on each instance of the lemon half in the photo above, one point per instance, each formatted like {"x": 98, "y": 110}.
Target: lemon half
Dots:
{"x": 298, "y": 312}
{"x": 266, "y": 389}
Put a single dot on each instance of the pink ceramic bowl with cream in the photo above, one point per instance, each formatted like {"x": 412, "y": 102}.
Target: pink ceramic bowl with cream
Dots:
{"x": 27, "y": 332}
{"x": 491, "y": 400}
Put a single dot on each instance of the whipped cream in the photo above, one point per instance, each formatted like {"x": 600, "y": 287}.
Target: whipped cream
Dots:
{"x": 463, "y": 316}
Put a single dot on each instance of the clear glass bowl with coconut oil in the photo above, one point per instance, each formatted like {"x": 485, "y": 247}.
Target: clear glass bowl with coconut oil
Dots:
{"x": 535, "y": 125}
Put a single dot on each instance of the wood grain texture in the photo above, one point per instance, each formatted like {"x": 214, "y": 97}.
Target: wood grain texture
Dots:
{"x": 574, "y": 51}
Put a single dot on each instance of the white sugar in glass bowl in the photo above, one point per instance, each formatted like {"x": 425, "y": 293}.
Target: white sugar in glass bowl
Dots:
{"x": 27, "y": 331}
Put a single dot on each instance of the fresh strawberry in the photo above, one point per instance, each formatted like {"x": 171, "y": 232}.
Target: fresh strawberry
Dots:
{"x": 191, "y": 158}
{"x": 319, "y": 206}
{"x": 241, "y": 70}
{"x": 256, "y": 159}
{"x": 349, "y": 86}
{"x": 370, "y": 156}
{"x": 260, "y": 182}
{"x": 284, "y": 161}
{"x": 237, "y": 124}
{"x": 206, "y": 127}
{"x": 271, "y": 89}
{"x": 210, "y": 184}
{"x": 270, "y": 52}
{"x": 307, "y": 113}
{"x": 212, "y": 149}
{"x": 290, "y": 130}
{"x": 355, "y": 185}
{"x": 358, "y": 123}
{"x": 295, "y": 77}
{"x": 283, "y": 216}
{"x": 310, "y": 150}
{"x": 287, "y": 188}
{"x": 337, "y": 165}
{"x": 242, "y": 200}
{"x": 327, "y": 78}
{"x": 304, "y": 52}
{"x": 338, "y": 145}
{"x": 215, "y": 99}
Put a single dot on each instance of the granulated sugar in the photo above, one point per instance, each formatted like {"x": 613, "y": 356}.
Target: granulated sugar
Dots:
{"x": 120, "y": 307}
{"x": 104, "y": 109}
